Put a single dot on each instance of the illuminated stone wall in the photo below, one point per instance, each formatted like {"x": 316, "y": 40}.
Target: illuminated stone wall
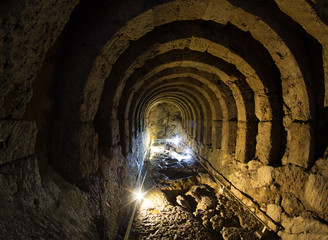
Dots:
{"x": 164, "y": 121}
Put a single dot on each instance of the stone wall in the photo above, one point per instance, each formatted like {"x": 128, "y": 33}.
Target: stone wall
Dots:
{"x": 283, "y": 197}
{"x": 164, "y": 121}
{"x": 36, "y": 201}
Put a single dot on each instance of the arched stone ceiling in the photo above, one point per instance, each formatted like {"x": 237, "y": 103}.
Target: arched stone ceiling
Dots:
{"x": 206, "y": 110}
{"x": 258, "y": 76}
{"x": 204, "y": 45}
{"x": 216, "y": 100}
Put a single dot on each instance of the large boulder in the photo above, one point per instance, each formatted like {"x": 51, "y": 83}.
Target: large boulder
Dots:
{"x": 302, "y": 225}
{"x": 197, "y": 191}
{"x": 316, "y": 195}
{"x": 206, "y": 203}
{"x": 291, "y": 179}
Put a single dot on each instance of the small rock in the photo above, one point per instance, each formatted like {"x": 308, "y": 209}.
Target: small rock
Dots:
{"x": 206, "y": 224}
{"x": 265, "y": 176}
{"x": 223, "y": 215}
{"x": 254, "y": 164}
{"x": 207, "y": 214}
{"x": 183, "y": 202}
{"x": 217, "y": 223}
{"x": 231, "y": 233}
{"x": 198, "y": 213}
{"x": 197, "y": 191}
{"x": 274, "y": 211}
{"x": 206, "y": 203}
{"x": 205, "y": 178}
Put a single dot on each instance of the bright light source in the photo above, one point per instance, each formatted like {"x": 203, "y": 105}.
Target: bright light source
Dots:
{"x": 180, "y": 157}
{"x": 176, "y": 140}
{"x": 138, "y": 195}
{"x": 156, "y": 149}
{"x": 187, "y": 151}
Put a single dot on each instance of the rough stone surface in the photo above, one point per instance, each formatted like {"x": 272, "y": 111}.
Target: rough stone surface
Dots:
{"x": 266, "y": 150}
{"x": 206, "y": 178}
{"x": 302, "y": 224}
{"x": 164, "y": 121}
{"x": 291, "y": 204}
{"x": 299, "y": 137}
{"x": 55, "y": 209}
{"x": 274, "y": 211}
{"x": 205, "y": 213}
{"x": 206, "y": 203}
{"x": 303, "y": 236}
{"x": 28, "y": 29}
{"x": 38, "y": 211}
{"x": 197, "y": 191}
{"x": 17, "y": 140}
{"x": 20, "y": 178}
{"x": 254, "y": 165}
{"x": 183, "y": 202}
{"x": 321, "y": 166}
{"x": 265, "y": 176}
{"x": 291, "y": 179}
{"x": 75, "y": 150}
{"x": 316, "y": 194}
{"x": 67, "y": 206}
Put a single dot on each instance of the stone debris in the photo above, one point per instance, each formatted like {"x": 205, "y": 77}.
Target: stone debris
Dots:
{"x": 183, "y": 202}
{"x": 197, "y": 211}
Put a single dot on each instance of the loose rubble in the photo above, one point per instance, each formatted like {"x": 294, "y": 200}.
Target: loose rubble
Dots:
{"x": 178, "y": 206}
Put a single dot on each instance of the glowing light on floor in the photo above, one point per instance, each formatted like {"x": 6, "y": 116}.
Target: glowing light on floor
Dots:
{"x": 153, "y": 202}
{"x": 156, "y": 149}
{"x": 147, "y": 203}
{"x": 188, "y": 157}
{"x": 176, "y": 150}
{"x": 180, "y": 157}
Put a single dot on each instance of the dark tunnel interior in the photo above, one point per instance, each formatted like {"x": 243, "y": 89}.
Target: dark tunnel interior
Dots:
{"x": 170, "y": 119}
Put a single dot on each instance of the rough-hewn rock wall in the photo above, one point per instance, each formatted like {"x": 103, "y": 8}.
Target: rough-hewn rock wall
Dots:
{"x": 164, "y": 121}
{"x": 46, "y": 206}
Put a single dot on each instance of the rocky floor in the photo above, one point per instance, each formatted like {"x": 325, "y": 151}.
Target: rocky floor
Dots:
{"x": 184, "y": 202}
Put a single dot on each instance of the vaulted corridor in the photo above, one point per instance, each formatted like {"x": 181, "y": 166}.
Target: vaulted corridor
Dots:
{"x": 90, "y": 90}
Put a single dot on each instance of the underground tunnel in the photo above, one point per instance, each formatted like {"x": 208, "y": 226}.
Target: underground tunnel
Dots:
{"x": 168, "y": 119}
